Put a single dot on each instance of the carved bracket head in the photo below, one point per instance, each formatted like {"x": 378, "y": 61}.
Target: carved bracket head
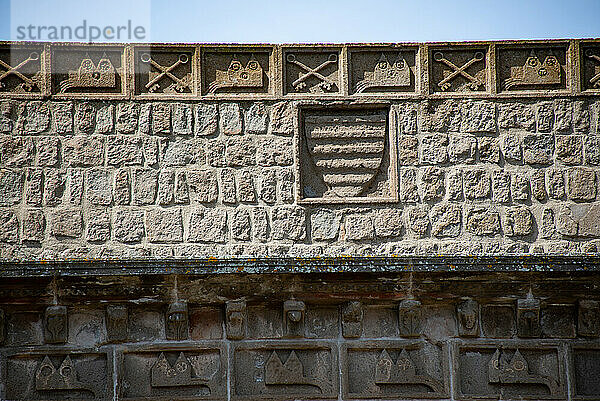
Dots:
{"x": 588, "y": 319}
{"x": 177, "y": 321}
{"x": 55, "y": 324}
{"x": 235, "y": 312}
{"x": 528, "y": 317}
{"x": 352, "y": 319}
{"x": 410, "y": 318}
{"x": 468, "y": 318}
{"x": 293, "y": 312}
{"x": 116, "y": 322}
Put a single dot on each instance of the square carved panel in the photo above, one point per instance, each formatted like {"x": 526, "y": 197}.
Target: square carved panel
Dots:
{"x": 275, "y": 370}
{"x": 57, "y": 374}
{"x": 346, "y": 155}
{"x": 590, "y": 66}
{"x": 312, "y": 71}
{"x": 173, "y": 372}
{"x": 22, "y": 69}
{"x": 394, "y": 370}
{"x": 88, "y": 70}
{"x": 458, "y": 69}
{"x": 165, "y": 71}
{"x": 385, "y": 70}
{"x": 236, "y": 71}
{"x": 509, "y": 370}
{"x": 535, "y": 67}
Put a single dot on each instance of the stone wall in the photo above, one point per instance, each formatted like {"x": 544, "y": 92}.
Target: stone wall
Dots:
{"x": 403, "y": 221}
{"x": 430, "y": 160}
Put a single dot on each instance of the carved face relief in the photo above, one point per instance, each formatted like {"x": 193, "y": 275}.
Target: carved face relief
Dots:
{"x": 468, "y": 317}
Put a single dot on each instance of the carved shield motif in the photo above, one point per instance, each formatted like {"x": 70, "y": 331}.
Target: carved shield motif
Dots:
{"x": 347, "y": 149}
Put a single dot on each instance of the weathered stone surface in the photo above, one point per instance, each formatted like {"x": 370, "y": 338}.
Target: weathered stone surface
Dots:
{"x": 538, "y": 149}
{"x": 128, "y": 225}
{"x": 511, "y": 147}
{"x": 256, "y": 119}
{"x": 324, "y": 224}
{"x": 62, "y": 117}
{"x": 581, "y": 184}
{"x": 206, "y": 119}
{"x": 98, "y": 225}
{"x": 288, "y": 222}
{"x": 519, "y": 186}
{"x": 408, "y": 185}
{"x": 516, "y": 115}
{"x": 47, "y": 151}
{"x": 417, "y": 220}
{"x": 164, "y": 225}
{"x": 240, "y": 152}
{"x": 592, "y": 149}
{"x": 519, "y": 222}
{"x": 483, "y": 222}
{"x": 16, "y": 151}
{"x": 54, "y": 187}
{"x": 434, "y": 149}
{"x": 408, "y": 150}
{"x": 359, "y": 227}
{"x": 462, "y": 148}
{"x": 99, "y": 186}
{"x": 123, "y": 150}
{"x": 122, "y": 194}
{"x": 127, "y": 117}
{"x": 11, "y": 187}
{"x": 274, "y": 151}
{"x": 33, "y": 118}
{"x": 161, "y": 118}
{"x": 589, "y": 224}
{"x": 569, "y": 149}
{"x": 34, "y": 225}
{"x": 183, "y": 117}
{"x": 66, "y": 223}
{"x": 230, "y": 119}
{"x": 203, "y": 186}
{"x": 145, "y": 185}
{"x": 166, "y": 187}
{"x": 83, "y": 151}
{"x": 9, "y": 226}
{"x": 388, "y": 223}
{"x": 501, "y": 186}
{"x": 208, "y": 225}
{"x": 240, "y": 224}
{"x": 478, "y": 116}
{"x": 181, "y": 152}
{"x": 489, "y": 149}
{"x": 432, "y": 184}
{"x": 446, "y": 220}
{"x": 476, "y": 183}
{"x": 282, "y": 119}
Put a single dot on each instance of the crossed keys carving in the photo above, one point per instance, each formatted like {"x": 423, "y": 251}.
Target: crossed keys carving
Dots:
{"x": 28, "y": 83}
{"x": 326, "y": 84}
{"x": 446, "y": 83}
{"x": 180, "y": 84}
{"x": 595, "y": 80}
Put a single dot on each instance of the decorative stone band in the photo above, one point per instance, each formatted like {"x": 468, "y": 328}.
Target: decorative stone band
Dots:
{"x": 202, "y": 71}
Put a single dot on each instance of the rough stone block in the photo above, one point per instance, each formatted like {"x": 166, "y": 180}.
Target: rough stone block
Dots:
{"x": 240, "y": 224}
{"x": 34, "y": 225}
{"x": 489, "y": 149}
{"x": 161, "y": 118}
{"x": 208, "y": 225}
{"x": 432, "y": 184}
{"x": 164, "y": 225}
{"x": 483, "y": 222}
{"x": 145, "y": 185}
{"x": 99, "y": 186}
{"x": 128, "y": 225}
{"x": 256, "y": 119}
{"x": 434, "y": 149}
{"x": 408, "y": 150}
{"x": 324, "y": 224}
{"x": 127, "y": 117}
{"x": 47, "y": 151}
{"x": 230, "y": 119}
{"x": 66, "y": 223}
{"x": 569, "y": 149}
{"x": 206, "y": 119}
{"x": 123, "y": 150}
{"x": 446, "y": 219}
{"x": 476, "y": 183}
{"x": 388, "y": 223}
{"x": 183, "y": 117}
{"x": 16, "y": 151}
{"x": 538, "y": 149}
{"x": 417, "y": 220}
{"x": 519, "y": 222}
{"x": 9, "y": 226}
{"x": 462, "y": 148}
{"x": 98, "y": 225}
{"x": 288, "y": 222}
{"x": 274, "y": 151}
{"x": 83, "y": 151}
{"x": 203, "y": 185}
{"x": 581, "y": 184}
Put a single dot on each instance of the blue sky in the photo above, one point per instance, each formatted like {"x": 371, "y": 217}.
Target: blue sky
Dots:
{"x": 251, "y": 21}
